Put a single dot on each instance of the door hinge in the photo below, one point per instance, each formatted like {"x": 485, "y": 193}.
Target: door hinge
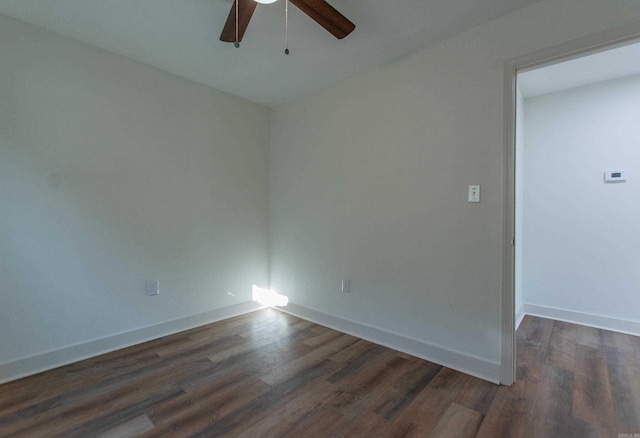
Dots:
{"x": 513, "y": 241}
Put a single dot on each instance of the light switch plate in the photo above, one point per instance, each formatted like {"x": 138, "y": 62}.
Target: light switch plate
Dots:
{"x": 474, "y": 193}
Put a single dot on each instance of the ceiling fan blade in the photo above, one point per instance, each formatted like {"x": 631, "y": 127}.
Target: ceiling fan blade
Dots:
{"x": 326, "y": 16}
{"x": 245, "y": 11}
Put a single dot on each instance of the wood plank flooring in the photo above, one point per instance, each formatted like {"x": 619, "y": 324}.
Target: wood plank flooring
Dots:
{"x": 269, "y": 374}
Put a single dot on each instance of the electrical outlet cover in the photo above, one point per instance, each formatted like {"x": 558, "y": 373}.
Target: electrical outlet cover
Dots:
{"x": 152, "y": 288}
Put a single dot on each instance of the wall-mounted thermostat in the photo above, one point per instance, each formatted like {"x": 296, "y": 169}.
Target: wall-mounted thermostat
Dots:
{"x": 615, "y": 176}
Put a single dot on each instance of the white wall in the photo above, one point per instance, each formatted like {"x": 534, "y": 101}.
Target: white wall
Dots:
{"x": 369, "y": 181}
{"x": 519, "y": 208}
{"x": 582, "y": 245}
{"x": 113, "y": 173}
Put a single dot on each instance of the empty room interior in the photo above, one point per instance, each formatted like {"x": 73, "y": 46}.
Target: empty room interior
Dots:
{"x": 321, "y": 219}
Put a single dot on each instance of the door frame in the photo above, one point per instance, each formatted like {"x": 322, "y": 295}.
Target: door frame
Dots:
{"x": 610, "y": 39}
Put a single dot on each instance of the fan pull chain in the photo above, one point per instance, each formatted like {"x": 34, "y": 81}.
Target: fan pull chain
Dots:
{"x": 286, "y": 27}
{"x": 236, "y": 43}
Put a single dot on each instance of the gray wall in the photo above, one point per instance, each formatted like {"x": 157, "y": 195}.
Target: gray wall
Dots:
{"x": 369, "y": 182}
{"x": 113, "y": 173}
{"x": 116, "y": 173}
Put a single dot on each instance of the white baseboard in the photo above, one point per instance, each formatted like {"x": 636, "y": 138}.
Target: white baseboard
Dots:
{"x": 588, "y": 319}
{"x": 468, "y": 364}
{"x": 27, "y": 366}
{"x": 520, "y": 314}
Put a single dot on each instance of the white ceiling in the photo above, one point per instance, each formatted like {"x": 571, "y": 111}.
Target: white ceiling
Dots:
{"x": 599, "y": 67}
{"x": 181, "y": 36}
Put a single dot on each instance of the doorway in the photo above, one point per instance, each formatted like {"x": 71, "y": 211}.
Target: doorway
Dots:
{"x": 513, "y": 256}
{"x": 576, "y": 207}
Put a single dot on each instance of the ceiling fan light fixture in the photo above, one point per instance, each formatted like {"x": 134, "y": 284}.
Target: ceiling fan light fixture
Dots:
{"x": 265, "y": 2}
{"x": 319, "y": 11}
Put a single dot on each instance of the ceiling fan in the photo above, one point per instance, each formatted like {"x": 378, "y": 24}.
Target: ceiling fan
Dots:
{"x": 319, "y": 10}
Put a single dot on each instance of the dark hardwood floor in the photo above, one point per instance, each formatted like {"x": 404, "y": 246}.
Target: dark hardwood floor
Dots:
{"x": 268, "y": 374}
